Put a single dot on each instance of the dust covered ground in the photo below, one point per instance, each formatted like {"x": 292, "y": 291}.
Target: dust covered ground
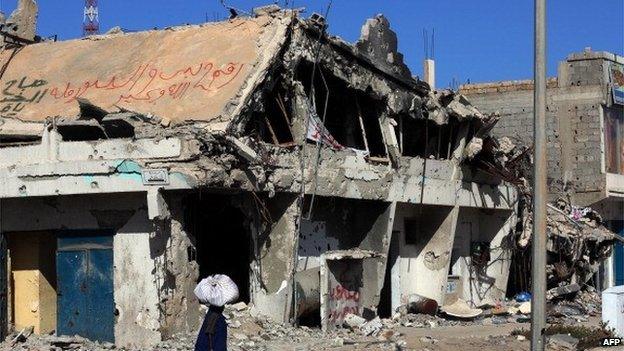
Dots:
{"x": 403, "y": 332}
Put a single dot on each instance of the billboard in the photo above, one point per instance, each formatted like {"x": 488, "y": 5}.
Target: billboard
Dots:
{"x": 617, "y": 83}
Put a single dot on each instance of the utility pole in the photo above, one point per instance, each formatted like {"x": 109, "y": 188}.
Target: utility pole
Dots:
{"x": 538, "y": 269}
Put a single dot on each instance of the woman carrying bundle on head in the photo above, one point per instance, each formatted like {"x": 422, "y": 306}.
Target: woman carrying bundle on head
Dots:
{"x": 214, "y": 291}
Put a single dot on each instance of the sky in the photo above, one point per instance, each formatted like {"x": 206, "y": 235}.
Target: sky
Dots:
{"x": 476, "y": 40}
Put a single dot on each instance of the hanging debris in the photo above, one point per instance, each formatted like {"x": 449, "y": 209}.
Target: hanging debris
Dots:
{"x": 578, "y": 242}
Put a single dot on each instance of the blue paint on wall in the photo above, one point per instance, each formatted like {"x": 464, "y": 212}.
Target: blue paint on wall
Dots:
{"x": 128, "y": 166}
{"x": 84, "y": 264}
{"x": 618, "y": 256}
{"x": 129, "y": 170}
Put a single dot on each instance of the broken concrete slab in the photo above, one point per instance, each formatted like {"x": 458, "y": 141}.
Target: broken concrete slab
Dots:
{"x": 460, "y": 309}
{"x": 371, "y": 327}
{"x": 23, "y": 21}
{"x": 169, "y": 86}
{"x": 473, "y": 148}
{"x": 379, "y": 43}
{"x": 354, "y": 321}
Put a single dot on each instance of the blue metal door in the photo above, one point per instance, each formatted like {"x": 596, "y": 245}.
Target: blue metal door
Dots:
{"x": 84, "y": 265}
{"x": 618, "y": 257}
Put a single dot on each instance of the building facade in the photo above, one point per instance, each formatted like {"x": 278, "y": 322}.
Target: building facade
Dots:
{"x": 318, "y": 174}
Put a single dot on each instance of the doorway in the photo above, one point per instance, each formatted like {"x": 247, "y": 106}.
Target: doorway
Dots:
{"x": 32, "y": 280}
{"x": 222, "y": 239}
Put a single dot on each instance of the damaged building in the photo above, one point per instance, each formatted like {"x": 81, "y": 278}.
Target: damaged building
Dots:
{"x": 585, "y": 150}
{"x": 319, "y": 175}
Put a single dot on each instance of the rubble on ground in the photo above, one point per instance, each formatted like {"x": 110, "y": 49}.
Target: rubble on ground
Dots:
{"x": 578, "y": 241}
{"x": 253, "y": 333}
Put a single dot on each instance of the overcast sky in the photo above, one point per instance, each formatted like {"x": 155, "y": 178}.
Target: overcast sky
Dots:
{"x": 480, "y": 40}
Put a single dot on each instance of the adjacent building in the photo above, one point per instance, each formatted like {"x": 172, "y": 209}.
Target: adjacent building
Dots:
{"x": 585, "y": 121}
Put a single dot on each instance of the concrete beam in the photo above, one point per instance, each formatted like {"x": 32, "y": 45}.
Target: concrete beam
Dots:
{"x": 75, "y": 178}
{"x": 111, "y": 149}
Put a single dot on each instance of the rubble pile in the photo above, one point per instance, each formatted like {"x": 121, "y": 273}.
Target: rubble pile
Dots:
{"x": 578, "y": 242}
{"x": 255, "y": 333}
{"x": 585, "y": 304}
{"x": 245, "y": 332}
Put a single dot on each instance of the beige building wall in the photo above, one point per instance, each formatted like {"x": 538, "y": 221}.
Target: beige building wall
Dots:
{"x": 33, "y": 281}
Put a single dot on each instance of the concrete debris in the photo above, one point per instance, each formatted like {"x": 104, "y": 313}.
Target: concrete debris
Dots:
{"x": 23, "y": 335}
{"x": 562, "y": 342}
{"x": 22, "y": 23}
{"x": 114, "y": 31}
{"x": 266, "y": 10}
{"x": 353, "y": 321}
{"x": 562, "y": 291}
{"x": 372, "y": 327}
{"x": 460, "y": 309}
{"x": 577, "y": 238}
{"x": 461, "y": 108}
{"x": 379, "y": 43}
{"x": 525, "y": 307}
{"x": 473, "y": 148}
{"x": 505, "y": 145}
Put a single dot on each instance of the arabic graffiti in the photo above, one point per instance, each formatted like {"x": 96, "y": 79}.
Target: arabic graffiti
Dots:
{"x": 149, "y": 83}
{"x": 343, "y": 302}
{"x": 18, "y": 93}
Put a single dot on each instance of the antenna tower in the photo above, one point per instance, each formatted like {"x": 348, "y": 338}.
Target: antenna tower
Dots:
{"x": 91, "y": 21}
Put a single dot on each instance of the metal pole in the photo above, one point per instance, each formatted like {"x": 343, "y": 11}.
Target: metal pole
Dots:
{"x": 538, "y": 269}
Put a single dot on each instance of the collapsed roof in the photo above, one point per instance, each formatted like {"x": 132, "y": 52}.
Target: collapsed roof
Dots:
{"x": 214, "y": 74}
{"x": 189, "y": 73}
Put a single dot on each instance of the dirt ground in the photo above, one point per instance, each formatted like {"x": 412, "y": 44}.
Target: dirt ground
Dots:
{"x": 252, "y": 334}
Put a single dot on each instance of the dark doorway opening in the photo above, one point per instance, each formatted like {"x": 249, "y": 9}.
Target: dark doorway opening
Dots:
{"x": 222, "y": 238}
{"x": 385, "y": 301}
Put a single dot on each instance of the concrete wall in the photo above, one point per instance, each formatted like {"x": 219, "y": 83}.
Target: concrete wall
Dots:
{"x": 424, "y": 250}
{"x": 275, "y": 242}
{"x": 177, "y": 272}
{"x": 343, "y": 224}
{"x": 574, "y": 121}
{"x": 488, "y": 284}
{"x": 33, "y": 281}
{"x": 340, "y": 224}
{"x": 573, "y": 132}
{"x": 138, "y": 321}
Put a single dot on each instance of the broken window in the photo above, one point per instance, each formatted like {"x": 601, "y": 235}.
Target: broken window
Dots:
{"x": 424, "y": 138}
{"x": 351, "y": 116}
{"x": 272, "y": 123}
{"x": 614, "y": 139}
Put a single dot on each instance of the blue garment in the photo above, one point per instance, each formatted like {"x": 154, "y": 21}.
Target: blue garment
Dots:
{"x": 213, "y": 333}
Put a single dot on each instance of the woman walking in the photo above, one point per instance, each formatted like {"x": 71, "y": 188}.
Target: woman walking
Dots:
{"x": 214, "y": 291}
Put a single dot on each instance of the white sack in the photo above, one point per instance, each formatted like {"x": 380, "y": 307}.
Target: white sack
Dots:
{"x": 216, "y": 290}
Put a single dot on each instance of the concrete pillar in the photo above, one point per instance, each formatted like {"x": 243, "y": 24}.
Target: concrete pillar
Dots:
{"x": 429, "y": 72}
{"x": 271, "y": 288}
{"x": 176, "y": 274}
